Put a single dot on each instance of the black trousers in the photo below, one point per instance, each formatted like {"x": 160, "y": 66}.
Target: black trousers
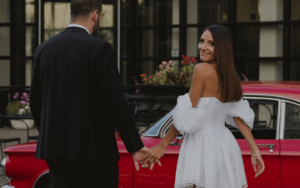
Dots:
{"x": 65, "y": 173}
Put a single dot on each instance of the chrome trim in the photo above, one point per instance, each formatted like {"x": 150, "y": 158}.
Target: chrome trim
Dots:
{"x": 291, "y": 103}
{"x": 279, "y": 115}
{"x": 282, "y": 120}
{"x": 166, "y": 127}
{"x": 7, "y": 186}
{"x": 39, "y": 178}
{"x": 3, "y": 163}
{"x": 159, "y": 130}
{"x": 272, "y": 96}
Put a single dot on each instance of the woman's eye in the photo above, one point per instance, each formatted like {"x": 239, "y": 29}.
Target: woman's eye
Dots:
{"x": 201, "y": 41}
{"x": 211, "y": 44}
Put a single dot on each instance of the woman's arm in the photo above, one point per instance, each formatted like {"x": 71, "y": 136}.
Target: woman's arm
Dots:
{"x": 197, "y": 86}
{"x": 158, "y": 151}
{"x": 256, "y": 159}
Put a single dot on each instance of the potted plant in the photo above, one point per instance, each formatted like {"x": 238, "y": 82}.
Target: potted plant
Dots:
{"x": 160, "y": 77}
{"x": 184, "y": 77}
{"x": 19, "y": 106}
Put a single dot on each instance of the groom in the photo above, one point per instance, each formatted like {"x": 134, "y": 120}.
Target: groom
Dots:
{"x": 76, "y": 99}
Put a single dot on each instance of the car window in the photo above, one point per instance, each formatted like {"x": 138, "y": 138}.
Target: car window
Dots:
{"x": 265, "y": 122}
{"x": 153, "y": 129}
{"x": 292, "y": 121}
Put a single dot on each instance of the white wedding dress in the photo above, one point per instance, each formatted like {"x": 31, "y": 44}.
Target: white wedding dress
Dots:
{"x": 210, "y": 157}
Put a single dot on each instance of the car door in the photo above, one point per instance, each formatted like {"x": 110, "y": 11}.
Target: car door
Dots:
{"x": 265, "y": 133}
{"x": 164, "y": 176}
{"x": 290, "y": 145}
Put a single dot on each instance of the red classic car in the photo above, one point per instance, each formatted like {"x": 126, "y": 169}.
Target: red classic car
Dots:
{"x": 276, "y": 131}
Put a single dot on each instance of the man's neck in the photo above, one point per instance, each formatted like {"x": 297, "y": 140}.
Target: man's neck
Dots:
{"x": 89, "y": 28}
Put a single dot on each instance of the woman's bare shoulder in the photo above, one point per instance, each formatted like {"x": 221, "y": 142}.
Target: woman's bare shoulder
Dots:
{"x": 205, "y": 69}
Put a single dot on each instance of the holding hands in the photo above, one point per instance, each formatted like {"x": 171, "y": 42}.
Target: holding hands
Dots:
{"x": 154, "y": 155}
{"x": 158, "y": 151}
{"x": 139, "y": 157}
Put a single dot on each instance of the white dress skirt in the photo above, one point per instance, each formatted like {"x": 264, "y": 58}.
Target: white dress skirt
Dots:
{"x": 210, "y": 156}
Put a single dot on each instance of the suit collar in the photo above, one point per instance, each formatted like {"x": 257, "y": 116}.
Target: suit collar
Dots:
{"x": 75, "y": 29}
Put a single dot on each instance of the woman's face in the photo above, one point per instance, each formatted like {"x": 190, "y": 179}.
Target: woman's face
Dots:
{"x": 206, "y": 47}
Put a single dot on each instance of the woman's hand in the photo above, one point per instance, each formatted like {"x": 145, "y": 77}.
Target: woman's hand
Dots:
{"x": 154, "y": 154}
{"x": 158, "y": 151}
{"x": 258, "y": 164}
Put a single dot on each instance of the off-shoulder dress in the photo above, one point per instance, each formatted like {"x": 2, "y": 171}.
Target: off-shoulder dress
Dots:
{"x": 210, "y": 156}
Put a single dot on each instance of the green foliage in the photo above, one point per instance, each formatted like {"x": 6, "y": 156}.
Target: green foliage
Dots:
{"x": 17, "y": 108}
{"x": 160, "y": 77}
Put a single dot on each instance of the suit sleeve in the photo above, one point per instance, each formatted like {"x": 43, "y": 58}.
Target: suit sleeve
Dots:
{"x": 110, "y": 83}
{"x": 36, "y": 92}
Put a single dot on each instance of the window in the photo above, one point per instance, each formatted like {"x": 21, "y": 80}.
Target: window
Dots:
{"x": 264, "y": 40}
{"x": 31, "y": 39}
{"x": 265, "y": 122}
{"x": 4, "y": 72}
{"x": 5, "y": 35}
{"x": 207, "y": 11}
{"x": 295, "y": 67}
{"x": 292, "y": 121}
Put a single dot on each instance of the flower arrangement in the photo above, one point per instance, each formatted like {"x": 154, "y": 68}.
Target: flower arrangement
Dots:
{"x": 186, "y": 71}
{"x": 167, "y": 75}
{"x": 160, "y": 77}
{"x": 19, "y": 107}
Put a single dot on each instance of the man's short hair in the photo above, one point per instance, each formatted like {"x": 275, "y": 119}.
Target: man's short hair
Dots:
{"x": 84, "y": 7}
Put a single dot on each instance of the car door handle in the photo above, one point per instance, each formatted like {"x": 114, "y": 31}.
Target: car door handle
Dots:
{"x": 265, "y": 146}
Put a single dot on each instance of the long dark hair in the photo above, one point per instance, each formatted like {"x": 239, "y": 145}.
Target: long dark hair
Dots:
{"x": 231, "y": 88}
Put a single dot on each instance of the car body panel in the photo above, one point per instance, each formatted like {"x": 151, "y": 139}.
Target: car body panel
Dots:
{"x": 282, "y": 165}
{"x": 270, "y": 178}
{"x": 159, "y": 177}
{"x": 290, "y": 163}
{"x": 24, "y": 169}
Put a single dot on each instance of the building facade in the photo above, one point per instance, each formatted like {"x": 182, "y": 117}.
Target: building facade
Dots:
{"x": 265, "y": 34}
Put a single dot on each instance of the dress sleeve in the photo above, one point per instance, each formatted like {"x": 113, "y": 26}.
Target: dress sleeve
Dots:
{"x": 242, "y": 110}
{"x": 188, "y": 119}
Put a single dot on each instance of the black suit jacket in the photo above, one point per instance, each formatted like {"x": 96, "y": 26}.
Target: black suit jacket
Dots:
{"x": 76, "y": 98}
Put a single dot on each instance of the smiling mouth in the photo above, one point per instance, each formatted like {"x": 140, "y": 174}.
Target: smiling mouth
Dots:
{"x": 203, "y": 53}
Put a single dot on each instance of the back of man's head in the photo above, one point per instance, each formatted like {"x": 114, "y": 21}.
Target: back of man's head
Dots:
{"x": 82, "y": 8}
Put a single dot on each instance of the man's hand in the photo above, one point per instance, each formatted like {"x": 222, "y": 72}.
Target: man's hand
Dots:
{"x": 139, "y": 155}
{"x": 154, "y": 154}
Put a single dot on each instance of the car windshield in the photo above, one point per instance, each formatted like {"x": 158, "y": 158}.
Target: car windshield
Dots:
{"x": 152, "y": 130}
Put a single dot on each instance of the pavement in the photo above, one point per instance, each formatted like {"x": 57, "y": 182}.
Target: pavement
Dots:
{"x": 8, "y": 132}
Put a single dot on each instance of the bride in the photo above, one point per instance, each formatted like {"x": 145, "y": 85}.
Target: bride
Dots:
{"x": 210, "y": 157}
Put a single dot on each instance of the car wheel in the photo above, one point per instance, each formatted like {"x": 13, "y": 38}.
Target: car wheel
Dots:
{"x": 44, "y": 182}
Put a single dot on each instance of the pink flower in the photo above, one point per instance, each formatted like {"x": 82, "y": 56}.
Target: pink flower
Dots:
{"x": 164, "y": 63}
{"x": 16, "y": 95}
{"x": 167, "y": 67}
{"x": 161, "y": 66}
{"x": 159, "y": 75}
{"x": 170, "y": 63}
{"x": 24, "y": 100}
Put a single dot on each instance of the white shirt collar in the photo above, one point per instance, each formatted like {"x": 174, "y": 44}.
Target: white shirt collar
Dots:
{"x": 77, "y": 25}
